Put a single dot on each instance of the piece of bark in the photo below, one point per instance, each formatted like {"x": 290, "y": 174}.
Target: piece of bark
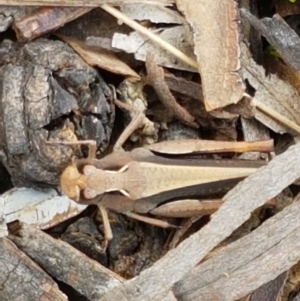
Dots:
{"x": 65, "y": 263}
{"x": 253, "y": 130}
{"x": 272, "y": 92}
{"x": 183, "y": 86}
{"x": 284, "y": 71}
{"x": 16, "y": 12}
{"x": 155, "y": 77}
{"x": 191, "y": 146}
{"x": 292, "y": 283}
{"x": 157, "y": 14}
{"x": 172, "y": 40}
{"x": 5, "y": 22}
{"x": 100, "y": 58}
{"x": 279, "y": 34}
{"x": 270, "y": 291}
{"x": 287, "y": 8}
{"x": 45, "y": 20}
{"x": 21, "y": 279}
{"x": 248, "y": 195}
{"x": 42, "y": 82}
{"x": 245, "y": 252}
{"x": 297, "y": 298}
{"x": 222, "y": 84}
{"x": 3, "y": 226}
{"x": 16, "y": 141}
{"x": 40, "y": 208}
{"x": 254, "y": 37}
{"x": 262, "y": 269}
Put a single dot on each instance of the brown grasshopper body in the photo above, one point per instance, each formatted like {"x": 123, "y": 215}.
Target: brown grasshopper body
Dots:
{"x": 139, "y": 181}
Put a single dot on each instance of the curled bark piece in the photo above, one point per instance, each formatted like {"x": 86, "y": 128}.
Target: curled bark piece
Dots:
{"x": 156, "y": 80}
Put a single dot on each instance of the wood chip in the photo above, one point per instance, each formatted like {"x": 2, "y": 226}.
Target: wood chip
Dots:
{"x": 217, "y": 49}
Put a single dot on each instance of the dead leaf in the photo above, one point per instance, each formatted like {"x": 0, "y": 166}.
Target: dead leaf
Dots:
{"x": 217, "y": 49}
{"x": 101, "y": 58}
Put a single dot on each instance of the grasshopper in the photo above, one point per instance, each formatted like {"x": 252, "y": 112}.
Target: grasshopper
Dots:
{"x": 140, "y": 182}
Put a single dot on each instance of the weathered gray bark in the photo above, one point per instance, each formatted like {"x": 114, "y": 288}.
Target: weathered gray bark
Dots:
{"x": 21, "y": 279}
{"x": 248, "y": 195}
{"x": 66, "y": 264}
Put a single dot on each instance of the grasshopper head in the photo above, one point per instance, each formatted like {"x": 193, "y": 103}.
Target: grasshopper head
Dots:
{"x": 72, "y": 182}
{"x": 95, "y": 180}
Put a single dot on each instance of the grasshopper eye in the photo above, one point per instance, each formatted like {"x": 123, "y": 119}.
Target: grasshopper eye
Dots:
{"x": 89, "y": 169}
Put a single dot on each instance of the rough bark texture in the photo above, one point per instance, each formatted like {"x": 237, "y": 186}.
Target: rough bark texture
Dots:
{"x": 21, "y": 279}
{"x": 223, "y": 271}
{"x": 66, "y": 264}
